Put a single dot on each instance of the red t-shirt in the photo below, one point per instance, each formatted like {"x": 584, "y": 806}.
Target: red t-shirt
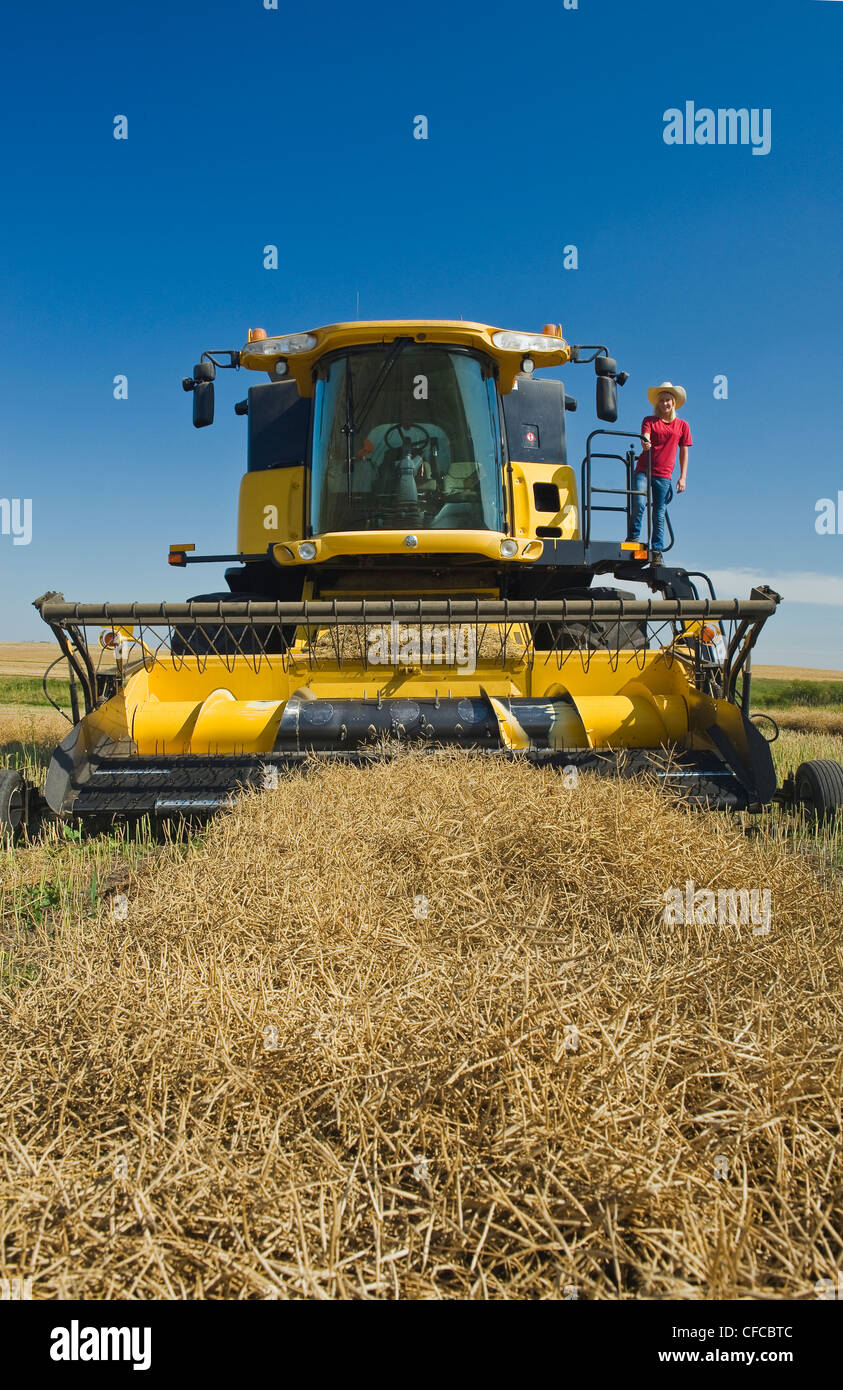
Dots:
{"x": 666, "y": 436}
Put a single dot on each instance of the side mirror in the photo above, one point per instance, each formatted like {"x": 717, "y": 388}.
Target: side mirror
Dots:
{"x": 607, "y": 399}
{"x": 203, "y": 404}
{"x": 605, "y": 366}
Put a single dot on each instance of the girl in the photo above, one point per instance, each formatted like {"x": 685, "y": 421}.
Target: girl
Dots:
{"x": 663, "y": 435}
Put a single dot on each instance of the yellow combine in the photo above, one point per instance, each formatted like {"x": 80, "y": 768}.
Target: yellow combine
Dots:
{"x": 416, "y": 562}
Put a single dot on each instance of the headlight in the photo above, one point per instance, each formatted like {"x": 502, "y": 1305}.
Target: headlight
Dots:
{"x": 526, "y": 342}
{"x": 307, "y": 551}
{"x": 278, "y": 347}
{"x": 509, "y": 549}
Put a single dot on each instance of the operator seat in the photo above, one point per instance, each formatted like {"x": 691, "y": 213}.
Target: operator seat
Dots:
{"x": 462, "y": 504}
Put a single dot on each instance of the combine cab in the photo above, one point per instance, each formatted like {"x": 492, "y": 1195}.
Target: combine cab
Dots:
{"x": 415, "y": 563}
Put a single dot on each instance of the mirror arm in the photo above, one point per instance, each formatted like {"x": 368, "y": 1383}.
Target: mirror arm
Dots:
{"x": 596, "y": 350}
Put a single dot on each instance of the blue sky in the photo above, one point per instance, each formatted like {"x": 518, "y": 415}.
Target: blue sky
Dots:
{"x": 294, "y": 127}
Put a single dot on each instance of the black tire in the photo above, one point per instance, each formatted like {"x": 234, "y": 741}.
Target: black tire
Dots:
{"x": 12, "y": 803}
{"x": 229, "y": 639}
{"x": 598, "y": 636}
{"x": 819, "y": 788}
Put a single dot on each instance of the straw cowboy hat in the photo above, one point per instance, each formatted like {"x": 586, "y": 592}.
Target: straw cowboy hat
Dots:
{"x": 678, "y": 393}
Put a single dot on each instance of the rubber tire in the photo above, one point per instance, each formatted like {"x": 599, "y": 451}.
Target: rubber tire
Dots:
{"x": 12, "y": 803}
{"x": 818, "y": 786}
{"x": 604, "y": 635}
{"x": 200, "y": 641}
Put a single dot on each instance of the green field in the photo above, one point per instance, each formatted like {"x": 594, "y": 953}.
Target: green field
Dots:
{"x": 779, "y": 694}
{"x": 27, "y": 690}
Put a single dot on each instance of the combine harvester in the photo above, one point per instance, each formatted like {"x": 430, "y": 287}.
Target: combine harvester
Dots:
{"x": 415, "y": 563}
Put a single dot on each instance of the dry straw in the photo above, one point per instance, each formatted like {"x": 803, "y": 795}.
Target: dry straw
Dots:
{"x": 420, "y": 1030}
{"x": 809, "y": 720}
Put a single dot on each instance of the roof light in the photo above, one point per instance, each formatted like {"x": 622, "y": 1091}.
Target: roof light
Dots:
{"x": 278, "y": 347}
{"x": 256, "y": 333}
{"x": 552, "y": 330}
{"x": 526, "y": 342}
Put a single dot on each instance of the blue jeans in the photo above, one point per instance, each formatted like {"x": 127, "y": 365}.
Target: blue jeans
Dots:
{"x": 662, "y": 494}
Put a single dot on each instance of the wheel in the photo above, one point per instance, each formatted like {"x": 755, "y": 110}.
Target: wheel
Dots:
{"x": 229, "y": 639}
{"x": 12, "y": 803}
{"x": 600, "y": 635}
{"x": 819, "y": 788}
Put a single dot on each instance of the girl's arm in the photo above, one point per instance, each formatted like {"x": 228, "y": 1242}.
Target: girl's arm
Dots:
{"x": 645, "y": 431}
{"x": 683, "y": 468}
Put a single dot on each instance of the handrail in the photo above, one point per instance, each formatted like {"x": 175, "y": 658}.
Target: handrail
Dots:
{"x": 588, "y": 489}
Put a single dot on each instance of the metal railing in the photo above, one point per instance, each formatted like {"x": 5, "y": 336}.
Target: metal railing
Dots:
{"x": 629, "y": 493}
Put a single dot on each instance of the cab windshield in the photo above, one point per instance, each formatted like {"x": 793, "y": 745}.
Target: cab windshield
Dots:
{"x": 406, "y": 436}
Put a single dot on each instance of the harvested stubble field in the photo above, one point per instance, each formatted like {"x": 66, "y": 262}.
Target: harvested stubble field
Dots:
{"x": 807, "y": 720}
{"x": 420, "y": 1030}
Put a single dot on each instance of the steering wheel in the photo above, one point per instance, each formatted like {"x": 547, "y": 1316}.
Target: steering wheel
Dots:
{"x": 404, "y": 436}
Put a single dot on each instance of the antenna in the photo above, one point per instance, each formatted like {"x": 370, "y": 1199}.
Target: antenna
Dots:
{"x": 358, "y": 304}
